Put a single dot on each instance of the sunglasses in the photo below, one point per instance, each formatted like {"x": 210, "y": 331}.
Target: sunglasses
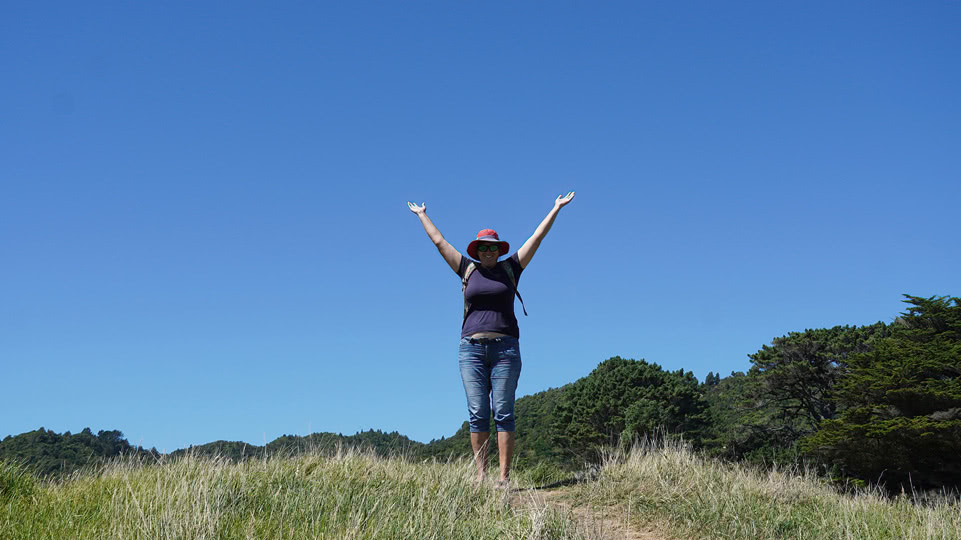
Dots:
{"x": 488, "y": 247}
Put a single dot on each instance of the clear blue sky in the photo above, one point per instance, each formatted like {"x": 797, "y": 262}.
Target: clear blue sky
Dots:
{"x": 203, "y": 223}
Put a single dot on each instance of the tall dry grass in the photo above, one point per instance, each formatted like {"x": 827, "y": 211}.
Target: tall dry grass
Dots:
{"x": 693, "y": 497}
{"x": 347, "y": 495}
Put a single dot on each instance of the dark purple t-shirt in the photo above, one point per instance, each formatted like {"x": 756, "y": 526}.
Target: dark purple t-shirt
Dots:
{"x": 491, "y": 298}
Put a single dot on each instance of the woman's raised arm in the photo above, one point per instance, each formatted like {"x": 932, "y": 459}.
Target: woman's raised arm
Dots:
{"x": 447, "y": 251}
{"x": 526, "y": 252}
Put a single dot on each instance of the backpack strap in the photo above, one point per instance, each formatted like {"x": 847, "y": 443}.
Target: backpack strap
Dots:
{"x": 467, "y": 272}
{"x": 510, "y": 275}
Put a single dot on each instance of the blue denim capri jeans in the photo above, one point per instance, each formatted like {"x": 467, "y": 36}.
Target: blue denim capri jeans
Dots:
{"x": 490, "y": 368}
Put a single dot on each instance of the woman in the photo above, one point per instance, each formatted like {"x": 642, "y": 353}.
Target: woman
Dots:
{"x": 489, "y": 354}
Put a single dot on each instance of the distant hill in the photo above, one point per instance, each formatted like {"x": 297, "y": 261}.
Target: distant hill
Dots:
{"x": 51, "y": 454}
{"x": 381, "y": 443}
{"x": 534, "y": 416}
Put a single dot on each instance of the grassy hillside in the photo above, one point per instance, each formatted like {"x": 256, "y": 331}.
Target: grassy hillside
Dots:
{"x": 349, "y": 495}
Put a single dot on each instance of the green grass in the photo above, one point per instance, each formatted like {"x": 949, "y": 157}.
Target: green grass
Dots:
{"x": 347, "y": 495}
{"x": 688, "y": 496}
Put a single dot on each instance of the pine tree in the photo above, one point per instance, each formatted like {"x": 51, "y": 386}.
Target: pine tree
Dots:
{"x": 902, "y": 420}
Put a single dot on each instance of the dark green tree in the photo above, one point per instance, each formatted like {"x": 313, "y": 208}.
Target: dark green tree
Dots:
{"x": 742, "y": 425}
{"x": 901, "y": 424}
{"x": 622, "y": 400}
{"x": 799, "y": 371}
{"x": 762, "y": 415}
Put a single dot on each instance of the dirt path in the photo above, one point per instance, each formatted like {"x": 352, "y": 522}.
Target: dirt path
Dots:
{"x": 600, "y": 524}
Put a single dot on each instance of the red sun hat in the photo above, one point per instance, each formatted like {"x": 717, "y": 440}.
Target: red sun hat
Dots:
{"x": 490, "y": 236}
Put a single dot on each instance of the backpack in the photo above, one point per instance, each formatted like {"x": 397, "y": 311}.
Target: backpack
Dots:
{"x": 506, "y": 265}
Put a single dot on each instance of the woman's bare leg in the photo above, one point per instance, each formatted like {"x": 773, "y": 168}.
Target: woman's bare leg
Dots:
{"x": 478, "y": 442}
{"x": 505, "y": 445}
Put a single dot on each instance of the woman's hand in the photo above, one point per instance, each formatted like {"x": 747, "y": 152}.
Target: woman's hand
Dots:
{"x": 564, "y": 199}
{"x": 417, "y": 209}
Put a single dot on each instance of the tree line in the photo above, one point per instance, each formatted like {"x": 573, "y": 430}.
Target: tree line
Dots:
{"x": 877, "y": 404}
